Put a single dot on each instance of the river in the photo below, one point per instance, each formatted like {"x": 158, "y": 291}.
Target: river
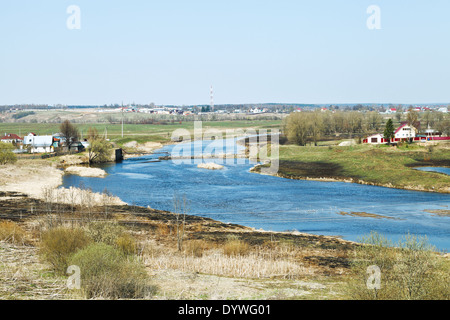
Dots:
{"x": 236, "y": 195}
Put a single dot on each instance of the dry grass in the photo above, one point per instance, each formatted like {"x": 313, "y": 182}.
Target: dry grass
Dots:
{"x": 236, "y": 247}
{"x": 239, "y": 261}
{"x": 196, "y": 248}
{"x": 22, "y": 276}
{"x": 11, "y": 232}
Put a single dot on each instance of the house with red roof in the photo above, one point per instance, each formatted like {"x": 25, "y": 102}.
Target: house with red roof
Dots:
{"x": 391, "y": 110}
{"x": 405, "y": 132}
{"x": 11, "y": 138}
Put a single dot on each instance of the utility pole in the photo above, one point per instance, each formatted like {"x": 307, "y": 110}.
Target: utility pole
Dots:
{"x": 212, "y": 99}
{"x": 122, "y": 119}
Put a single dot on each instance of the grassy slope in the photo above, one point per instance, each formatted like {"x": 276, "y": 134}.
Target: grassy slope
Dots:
{"x": 365, "y": 163}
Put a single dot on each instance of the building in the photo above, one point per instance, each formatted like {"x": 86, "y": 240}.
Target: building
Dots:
{"x": 405, "y": 132}
{"x": 375, "y": 139}
{"x": 391, "y": 110}
{"x": 40, "y": 144}
{"x": 11, "y": 138}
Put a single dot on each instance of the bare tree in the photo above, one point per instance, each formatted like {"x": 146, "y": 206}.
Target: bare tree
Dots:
{"x": 180, "y": 206}
{"x": 69, "y": 132}
{"x": 412, "y": 118}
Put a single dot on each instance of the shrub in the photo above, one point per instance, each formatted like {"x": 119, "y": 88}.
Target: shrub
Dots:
{"x": 6, "y": 153}
{"x": 196, "y": 247}
{"x": 57, "y": 245}
{"x": 235, "y": 247}
{"x": 106, "y": 232}
{"x": 12, "y": 232}
{"x": 411, "y": 270}
{"x": 127, "y": 244}
{"x": 111, "y": 233}
{"x": 107, "y": 273}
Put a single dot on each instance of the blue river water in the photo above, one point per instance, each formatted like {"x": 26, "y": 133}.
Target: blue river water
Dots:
{"x": 436, "y": 169}
{"x": 236, "y": 195}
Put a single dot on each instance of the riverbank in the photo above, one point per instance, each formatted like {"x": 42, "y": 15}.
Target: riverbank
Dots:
{"x": 388, "y": 167}
{"x": 41, "y": 180}
{"x": 217, "y": 260}
{"x": 86, "y": 171}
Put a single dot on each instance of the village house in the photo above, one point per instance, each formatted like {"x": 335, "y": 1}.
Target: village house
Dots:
{"x": 40, "y": 144}
{"x": 405, "y": 132}
{"x": 391, "y": 110}
{"x": 408, "y": 133}
{"x": 11, "y": 138}
{"x": 375, "y": 139}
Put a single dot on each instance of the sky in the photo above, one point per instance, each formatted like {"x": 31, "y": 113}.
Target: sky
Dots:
{"x": 250, "y": 51}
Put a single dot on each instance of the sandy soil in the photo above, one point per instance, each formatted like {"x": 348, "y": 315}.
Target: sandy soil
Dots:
{"x": 41, "y": 179}
{"x": 74, "y": 159}
{"x": 134, "y": 149}
{"x": 175, "y": 284}
{"x": 30, "y": 177}
{"x": 210, "y": 166}
{"x": 86, "y": 171}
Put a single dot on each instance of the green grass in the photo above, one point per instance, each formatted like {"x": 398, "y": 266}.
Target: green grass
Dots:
{"x": 377, "y": 165}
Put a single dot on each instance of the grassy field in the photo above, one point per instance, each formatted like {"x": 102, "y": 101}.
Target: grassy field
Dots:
{"x": 379, "y": 165}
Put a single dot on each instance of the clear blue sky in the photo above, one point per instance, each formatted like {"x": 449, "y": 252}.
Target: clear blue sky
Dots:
{"x": 251, "y": 51}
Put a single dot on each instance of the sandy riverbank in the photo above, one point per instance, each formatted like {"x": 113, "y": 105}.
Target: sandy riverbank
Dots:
{"x": 134, "y": 149}
{"x": 40, "y": 179}
{"x": 86, "y": 171}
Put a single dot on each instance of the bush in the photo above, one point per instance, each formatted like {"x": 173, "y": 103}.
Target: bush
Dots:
{"x": 57, "y": 245}
{"x": 105, "y": 232}
{"x": 11, "y": 232}
{"x": 127, "y": 244}
{"x": 6, "y": 153}
{"x": 107, "y": 273}
{"x": 111, "y": 233}
{"x": 412, "y": 270}
{"x": 196, "y": 247}
{"x": 235, "y": 247}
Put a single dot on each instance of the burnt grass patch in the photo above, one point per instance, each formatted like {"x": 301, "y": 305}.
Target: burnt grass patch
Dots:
{"x": 317, "y": 169}
{"x": 429, "y": 163}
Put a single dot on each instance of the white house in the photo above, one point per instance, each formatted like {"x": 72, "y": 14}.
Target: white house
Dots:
{"x": 375, "y": 139}
{"x": 405, "y": 131}
{"x": 39, "y": 144}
